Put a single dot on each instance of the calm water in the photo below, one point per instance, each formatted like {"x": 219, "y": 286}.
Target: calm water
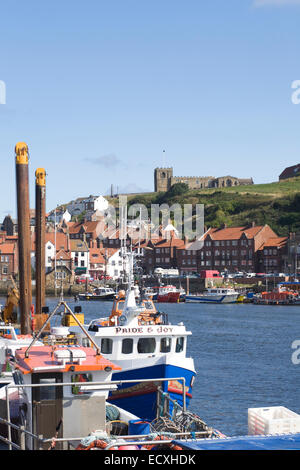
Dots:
{"x": 242, "y": 355}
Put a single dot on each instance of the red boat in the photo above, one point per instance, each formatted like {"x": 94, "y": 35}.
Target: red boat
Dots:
{"x": 167, "y": 294}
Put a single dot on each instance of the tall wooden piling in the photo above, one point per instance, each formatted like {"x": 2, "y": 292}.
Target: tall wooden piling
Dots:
{"x": 22, "y": 183}
{"x": 40, "y": 210}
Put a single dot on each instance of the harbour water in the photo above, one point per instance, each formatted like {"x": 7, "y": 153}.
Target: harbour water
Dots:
{"x": 242, "y": 353}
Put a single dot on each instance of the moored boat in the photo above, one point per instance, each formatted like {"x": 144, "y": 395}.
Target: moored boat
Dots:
{"x": 169, "y": 294}
{"x": 214, "y": 295}
{"x": 100, "y": 293}
{"x": 145, "y": 345}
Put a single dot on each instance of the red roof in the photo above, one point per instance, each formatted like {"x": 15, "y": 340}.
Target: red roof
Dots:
{"x": 290, "y": 172}
{"x": 276, "y": 242}
{"x": 233, "y": 233}
{"x": 7, "y": 248}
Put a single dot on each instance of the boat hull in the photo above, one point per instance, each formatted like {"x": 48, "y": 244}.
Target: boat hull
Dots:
{"x": 170, "y": 297}
{"x": 218, "y": 299}
{"x": 141, "y": 398}
{"x": 96, "y": 297}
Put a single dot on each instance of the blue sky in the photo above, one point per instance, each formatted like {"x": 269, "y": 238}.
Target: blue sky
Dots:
{"x": 99, "y": 89}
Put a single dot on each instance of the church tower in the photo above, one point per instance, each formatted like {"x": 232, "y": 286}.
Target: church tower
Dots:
{"x": 162, "y": 179}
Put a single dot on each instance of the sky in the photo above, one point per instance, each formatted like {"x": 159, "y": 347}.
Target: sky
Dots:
{"x": 103, "y": 92}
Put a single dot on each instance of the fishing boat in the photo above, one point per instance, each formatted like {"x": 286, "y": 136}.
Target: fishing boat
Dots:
{"x": 143, "y": 342}
{"x": 100, "y": 293}
{"x": 214, "y": 295}
{"x": 278, "y": 296}
{"x": 169, "y": 294}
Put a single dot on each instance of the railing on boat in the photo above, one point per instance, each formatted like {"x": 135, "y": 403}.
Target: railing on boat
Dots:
{"x": 105, "y": 386}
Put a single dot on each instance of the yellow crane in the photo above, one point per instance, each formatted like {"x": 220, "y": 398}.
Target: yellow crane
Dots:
{"x": 12, "y": 300}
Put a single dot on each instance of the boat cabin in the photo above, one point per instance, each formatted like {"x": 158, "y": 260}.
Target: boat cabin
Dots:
{"x": 50, "y": 407}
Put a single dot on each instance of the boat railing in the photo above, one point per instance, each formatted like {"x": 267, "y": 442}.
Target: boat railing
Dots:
{"x": 22, "y": 432}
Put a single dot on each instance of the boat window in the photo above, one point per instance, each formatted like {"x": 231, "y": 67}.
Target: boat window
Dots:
{"x": 179, "y": 344}
{"x": 80, "y": 378}
{"x": 47, "y": 393}
{"x": 165, "y": 345}
{"x": 106, "y": 345}
{"x": 127, "y": 346}
{"x": 146, "y": 345}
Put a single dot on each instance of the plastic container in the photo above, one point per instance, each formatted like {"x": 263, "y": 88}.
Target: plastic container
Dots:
{"x": 137, "y": 427}
{"x": 272, "y": 420}
{"x": 70, "y": 321}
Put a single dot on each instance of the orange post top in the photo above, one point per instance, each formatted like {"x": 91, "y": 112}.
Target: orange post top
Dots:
{"x": 43, "y": 359}
{"x": 21, "y": 151}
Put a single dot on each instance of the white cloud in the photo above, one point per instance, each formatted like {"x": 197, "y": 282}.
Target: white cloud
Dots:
{"x": 264, "y": 3}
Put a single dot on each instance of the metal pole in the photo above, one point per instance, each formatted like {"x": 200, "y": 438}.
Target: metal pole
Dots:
{"x": 8, "y": 419}
{"x": 55, "y": 292}
{"x": 24, "y": 241}
{"x": 40, "y": 200}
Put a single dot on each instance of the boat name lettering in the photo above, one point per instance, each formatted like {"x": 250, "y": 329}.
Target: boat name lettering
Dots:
{"x": 129, "y": 330}
{"x": 149, "y": 329}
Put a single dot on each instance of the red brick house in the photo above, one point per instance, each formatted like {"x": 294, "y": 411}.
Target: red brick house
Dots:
{"x": 290, "y": 172}
{"x": 271, "y": 255}
{"x": 8, "y": 260}
{"x": 233, "y": 248}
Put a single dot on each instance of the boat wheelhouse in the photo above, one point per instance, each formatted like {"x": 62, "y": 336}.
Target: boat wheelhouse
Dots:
{"x": 145, "y": 345}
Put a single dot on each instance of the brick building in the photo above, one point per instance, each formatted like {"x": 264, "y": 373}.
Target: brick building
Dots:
{"x": 233, "y": 248}
{"x": 271, "y": 255}
{"x": 8, "y": 261}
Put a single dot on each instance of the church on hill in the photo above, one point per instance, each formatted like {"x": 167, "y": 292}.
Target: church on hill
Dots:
{"x": 164, "y": 179}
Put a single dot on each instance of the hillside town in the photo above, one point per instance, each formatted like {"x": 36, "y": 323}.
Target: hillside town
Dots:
{"x": 79, "y": 243}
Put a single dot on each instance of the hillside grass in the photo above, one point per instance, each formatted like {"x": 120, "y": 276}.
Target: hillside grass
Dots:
{"x": 276, "y": 204}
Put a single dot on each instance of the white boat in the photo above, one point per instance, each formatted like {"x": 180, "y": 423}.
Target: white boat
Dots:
{"x": 10, "y": 341}
{"x": 139, "y": 339}
{"x": 214, "y": 295}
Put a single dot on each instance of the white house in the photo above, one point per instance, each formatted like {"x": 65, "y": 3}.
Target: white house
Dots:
{"x": 80, "y": 255}
{"x": 115, "y": 266}
{"x": 95, "y": 203}
{"x": 59, "y": 216}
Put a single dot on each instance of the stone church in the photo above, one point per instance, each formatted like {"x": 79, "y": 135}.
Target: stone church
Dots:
{"x": 164, "y": 179}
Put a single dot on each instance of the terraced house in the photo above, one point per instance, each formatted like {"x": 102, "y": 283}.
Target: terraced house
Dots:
{"x": 235, "y": 248}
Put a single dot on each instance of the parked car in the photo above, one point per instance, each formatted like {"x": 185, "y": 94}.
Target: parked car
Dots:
{"x": 83, "y": 279}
